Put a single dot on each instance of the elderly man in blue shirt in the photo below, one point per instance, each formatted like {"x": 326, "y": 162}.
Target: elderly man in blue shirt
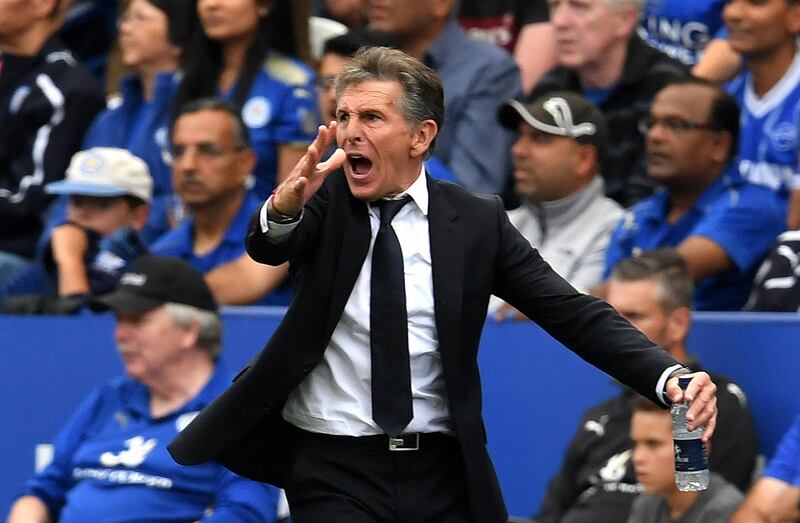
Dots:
{"x": 110, "y": 459}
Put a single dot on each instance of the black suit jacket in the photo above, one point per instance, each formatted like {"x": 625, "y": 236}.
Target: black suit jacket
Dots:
{"x": 475, "y": 251}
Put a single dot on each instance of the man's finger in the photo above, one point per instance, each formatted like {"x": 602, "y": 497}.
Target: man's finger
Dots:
{"x": 334, "y": 162}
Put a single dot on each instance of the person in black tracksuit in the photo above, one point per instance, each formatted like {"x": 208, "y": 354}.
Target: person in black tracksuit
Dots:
{"x": 47, "y": 101}
{"x": 597, "y": 482}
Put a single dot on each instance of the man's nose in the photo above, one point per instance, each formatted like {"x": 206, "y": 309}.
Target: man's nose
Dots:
{"x": 559, "y": 15}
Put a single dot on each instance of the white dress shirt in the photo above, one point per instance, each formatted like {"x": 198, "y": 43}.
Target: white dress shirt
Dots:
{"x": 336, "y": 397}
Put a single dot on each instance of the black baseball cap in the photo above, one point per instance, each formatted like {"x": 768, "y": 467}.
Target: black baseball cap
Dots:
{"x": 560, "y": 113}
{"x": 152, "y": 281}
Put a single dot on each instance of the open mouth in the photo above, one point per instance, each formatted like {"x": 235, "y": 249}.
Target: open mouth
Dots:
{"x": 360, "y": 165}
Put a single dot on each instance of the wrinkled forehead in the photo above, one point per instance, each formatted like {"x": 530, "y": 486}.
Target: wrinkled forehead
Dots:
{"x": 369, "y": 94}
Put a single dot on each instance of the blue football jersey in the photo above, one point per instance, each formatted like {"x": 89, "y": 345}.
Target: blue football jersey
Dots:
{"x": 681, "y": 29}
{"x": 768, "y": 142}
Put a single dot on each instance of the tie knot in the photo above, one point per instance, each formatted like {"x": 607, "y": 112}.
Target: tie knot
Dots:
{"x": 389, "y": 208}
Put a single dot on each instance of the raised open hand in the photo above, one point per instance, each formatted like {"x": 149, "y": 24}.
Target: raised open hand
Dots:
{"x": 309, "y": 173}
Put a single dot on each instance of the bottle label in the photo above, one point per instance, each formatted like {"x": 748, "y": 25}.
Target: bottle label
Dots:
{"x": 690, "y": 455}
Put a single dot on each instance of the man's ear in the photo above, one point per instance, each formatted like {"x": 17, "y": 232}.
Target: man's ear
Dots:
{"x": 587, "y": 160}
{"x": 679, "y": 322}
{"x": 422, "y": 136}
{"x": 247, "y": 162}
{"x": 140, "y": 214}
{"x": 630, "y": 19}
{"x": 723, "y": 141}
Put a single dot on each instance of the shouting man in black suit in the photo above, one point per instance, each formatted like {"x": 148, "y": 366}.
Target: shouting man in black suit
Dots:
{"x": 365, "y": 405}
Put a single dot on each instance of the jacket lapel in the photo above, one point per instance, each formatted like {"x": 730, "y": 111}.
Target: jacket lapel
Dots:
{"x": 447, "y": 260}
{"x": 355, "y": 237}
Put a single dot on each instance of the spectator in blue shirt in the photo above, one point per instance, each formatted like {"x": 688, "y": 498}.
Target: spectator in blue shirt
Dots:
{"x": 720, "y": 224}
{"x": 110, "y": 459}
{"x": 212, "y": 163}
{"x": 246, "y": 54}
{"x": 477, "y": 78}
{"x": 152, "y": 36}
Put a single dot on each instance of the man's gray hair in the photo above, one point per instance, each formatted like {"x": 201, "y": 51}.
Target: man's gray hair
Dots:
{"x": 209, "y": 336}
{"x": 619, "y": 4}
{"x": 423, "y": 95}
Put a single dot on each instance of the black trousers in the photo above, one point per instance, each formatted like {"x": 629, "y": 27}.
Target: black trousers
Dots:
{"x": 341, "y": 479}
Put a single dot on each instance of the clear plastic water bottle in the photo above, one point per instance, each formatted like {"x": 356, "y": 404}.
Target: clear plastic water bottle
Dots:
{"x": 691, "y": 460}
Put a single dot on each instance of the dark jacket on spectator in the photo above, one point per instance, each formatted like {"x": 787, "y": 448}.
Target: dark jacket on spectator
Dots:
{"x": 597, "y": 482}
{"x": 46, "y": 103}
{"x": 645, "y": 72}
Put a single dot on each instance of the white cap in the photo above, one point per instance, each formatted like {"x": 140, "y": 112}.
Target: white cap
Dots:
{"x": 105, "y": 171}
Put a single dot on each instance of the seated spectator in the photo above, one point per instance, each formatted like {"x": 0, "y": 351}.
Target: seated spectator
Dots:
{"x": 564, "y": 214}
{"x": 245, "y": 54}
{"x": 596, "y": 482}
{"x": 653, "y": 459}
{"x": 110, "y": 459}
{"x": 212, "y": 163}
{"x": 775, "y": 497}
{"x": 775, "y": 287}
{"x": 522, "y": 27}
{"x": 692, "y": 33}
{"x": 721, "y": 224}
{"x": 152, "y": 36}
{"x": 601, "y": 57}
{"x": 108, "y": 191}
{"x": 47, "y": 100}
{"x": 477, "y": 78}
{"x": 768, "y": 93}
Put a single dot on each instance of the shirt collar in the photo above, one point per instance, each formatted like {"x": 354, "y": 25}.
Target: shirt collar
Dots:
{"x": 419, "y": 191}
{"x": 136, "y": 396}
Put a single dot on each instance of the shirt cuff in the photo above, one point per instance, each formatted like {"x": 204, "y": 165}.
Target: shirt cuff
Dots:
{"x": 276, "y": 232}
{"x": 661, "y": 385}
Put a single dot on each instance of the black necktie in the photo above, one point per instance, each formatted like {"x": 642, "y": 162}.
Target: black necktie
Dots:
{"x": 391, "y": 375}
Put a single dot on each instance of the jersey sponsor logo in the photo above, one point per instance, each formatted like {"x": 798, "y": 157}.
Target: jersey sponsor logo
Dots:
{"x": 134, "y": 455}
{"x": 257, "y": 112}
{"x": 124, "y": 477}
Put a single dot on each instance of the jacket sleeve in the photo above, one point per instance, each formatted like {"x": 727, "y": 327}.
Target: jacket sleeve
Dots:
{"x": 586, "y": 325}
{"x": 299, "y": 243}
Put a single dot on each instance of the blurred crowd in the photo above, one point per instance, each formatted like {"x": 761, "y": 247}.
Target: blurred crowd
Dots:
{"x": 612, "y": 129}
